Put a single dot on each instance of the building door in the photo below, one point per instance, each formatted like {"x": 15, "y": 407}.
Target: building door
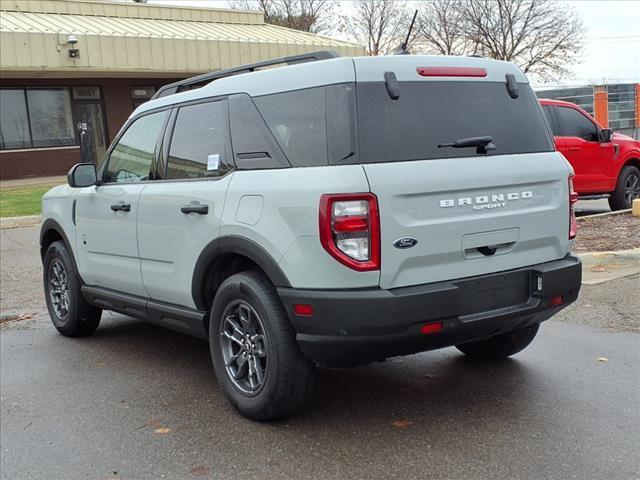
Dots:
{"x": 90, "y": 125}
{"x": 91, "y": 131}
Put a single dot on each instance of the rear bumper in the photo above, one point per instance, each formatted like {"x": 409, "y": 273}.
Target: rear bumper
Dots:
{"x": 353, "y": 327}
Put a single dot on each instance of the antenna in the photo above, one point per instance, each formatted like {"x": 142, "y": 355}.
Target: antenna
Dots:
{"x": 402, "y": 49}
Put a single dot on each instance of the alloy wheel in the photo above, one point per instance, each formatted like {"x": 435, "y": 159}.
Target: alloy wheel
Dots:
{"x": 59, "y": 288}
{"x": 632, "y": 188}
{"x": 244, "y": 347}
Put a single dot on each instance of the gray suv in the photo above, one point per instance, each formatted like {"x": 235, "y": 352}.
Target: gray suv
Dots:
{"x": 330, "y": 212}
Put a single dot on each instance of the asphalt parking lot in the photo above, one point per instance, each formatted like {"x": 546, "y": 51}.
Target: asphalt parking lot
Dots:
{"x": 138, "y": 402}
{"x": 592, "y": 207}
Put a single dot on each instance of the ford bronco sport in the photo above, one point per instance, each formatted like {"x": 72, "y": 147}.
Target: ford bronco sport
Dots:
{"x": 331, "y": 212}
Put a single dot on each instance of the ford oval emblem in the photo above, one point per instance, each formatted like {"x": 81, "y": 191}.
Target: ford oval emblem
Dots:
{"x": 405, "y": 242}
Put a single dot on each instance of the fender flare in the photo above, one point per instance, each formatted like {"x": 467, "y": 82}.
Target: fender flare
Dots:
{"x": 238, "y": 245}
{"x": 631, "y": 159}
{"x": 51, "y": 224}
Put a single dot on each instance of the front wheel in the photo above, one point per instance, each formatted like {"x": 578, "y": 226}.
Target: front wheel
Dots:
{"x": 627, "y": 189}
{"x": 500, "y": 346}
{"x": 254, "y": 351}
{"x": 69, "y": 311}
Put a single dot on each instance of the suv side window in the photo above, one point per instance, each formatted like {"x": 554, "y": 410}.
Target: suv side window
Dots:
{"x": 132, "y": 157}
{"x": 577, "y": 125}
{"x": 297, "y": 121}
{"x": 199, "y": 141}
{"x": 314, "y": 126}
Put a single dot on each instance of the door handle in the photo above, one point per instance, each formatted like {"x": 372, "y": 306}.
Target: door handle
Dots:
{"x": 121, "y": 207}
{"x": 574, "y": 149}
{"x": 195, "y": 208}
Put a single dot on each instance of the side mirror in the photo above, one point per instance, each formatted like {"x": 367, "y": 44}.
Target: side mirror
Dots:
{"x": 82, "y": 175}
{"x": 606, "y": 135}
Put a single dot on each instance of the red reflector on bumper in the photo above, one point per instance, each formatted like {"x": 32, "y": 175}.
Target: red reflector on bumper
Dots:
{"x": 428, "y": 328}
{"x": 303, "y": 310}
{"x": 555, "y": 301}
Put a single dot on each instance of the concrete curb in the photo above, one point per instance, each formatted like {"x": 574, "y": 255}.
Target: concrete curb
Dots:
{"x": 599, "y": 267}
{"x": 632, "y": 255}
{"x": 18, "y": 222}
{"x": 605, "y": 214}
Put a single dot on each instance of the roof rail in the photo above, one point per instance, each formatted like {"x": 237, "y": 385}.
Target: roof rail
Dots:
{"x": 201, "y": 80}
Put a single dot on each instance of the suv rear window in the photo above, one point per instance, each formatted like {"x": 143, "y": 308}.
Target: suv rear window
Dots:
{"x": 313, "y": 126}
{"x": 431, "y": 113}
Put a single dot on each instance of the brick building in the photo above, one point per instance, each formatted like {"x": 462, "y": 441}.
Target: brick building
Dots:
{"x": 71, "y": 72}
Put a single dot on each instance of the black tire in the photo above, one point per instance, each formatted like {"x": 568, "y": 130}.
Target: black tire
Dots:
{"x": 627, "y": 188}
{"x": 500, "y": 346}
{"x": 288, "y": 377}
{"x": 78, "y": 318}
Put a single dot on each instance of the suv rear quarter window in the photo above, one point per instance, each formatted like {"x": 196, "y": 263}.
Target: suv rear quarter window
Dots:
{"x": 297, "y": 121}
{"x": 313, "y": 126}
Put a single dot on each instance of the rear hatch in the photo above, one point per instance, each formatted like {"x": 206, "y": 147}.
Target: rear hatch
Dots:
{"x": 448, "y": 213}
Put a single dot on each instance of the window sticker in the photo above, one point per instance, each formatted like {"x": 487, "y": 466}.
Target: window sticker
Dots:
{"x": 213, "y": 162}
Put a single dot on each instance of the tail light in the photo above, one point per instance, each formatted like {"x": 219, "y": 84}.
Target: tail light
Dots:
{"x": 573, "y": 198}
{"x": 350, "y": 229}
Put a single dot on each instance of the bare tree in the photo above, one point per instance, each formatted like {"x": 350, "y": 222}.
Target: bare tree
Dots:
{"x": 379, "y": 25}
{"x": 542, "y": 37}
{"x": 442, "y": 28}
{"x": 307, "y": 15}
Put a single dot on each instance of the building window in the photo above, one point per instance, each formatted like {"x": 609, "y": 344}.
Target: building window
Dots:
{"x": 50, "y": 115}
{"x": 35, "y": 117}
{"x": 14, "y": 121}
{"x": 139, "y": 95}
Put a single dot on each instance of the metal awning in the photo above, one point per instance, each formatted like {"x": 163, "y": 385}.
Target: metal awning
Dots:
{"x": 138, "y": 40}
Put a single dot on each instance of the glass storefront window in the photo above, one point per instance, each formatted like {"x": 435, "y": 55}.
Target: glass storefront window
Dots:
{"x": 51, "y": 119}
{"x": 36, "y": 117}
{"x": 14, "y": 121}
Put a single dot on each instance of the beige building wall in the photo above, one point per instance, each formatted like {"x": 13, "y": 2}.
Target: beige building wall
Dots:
{"x": 124, "y": 40}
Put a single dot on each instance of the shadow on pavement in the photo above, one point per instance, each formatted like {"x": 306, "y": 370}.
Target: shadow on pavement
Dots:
{"x": 429, "y": 384}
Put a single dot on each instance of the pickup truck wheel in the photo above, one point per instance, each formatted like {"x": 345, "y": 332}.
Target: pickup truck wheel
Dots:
{"x": 254, "y": 351}
{"x": 500, "y": 346}
{"x": 69, "y": 311}
{"x": 627, "y": 188}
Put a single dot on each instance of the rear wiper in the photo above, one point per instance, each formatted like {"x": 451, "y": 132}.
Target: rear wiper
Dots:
{"x": 482, "y": 144}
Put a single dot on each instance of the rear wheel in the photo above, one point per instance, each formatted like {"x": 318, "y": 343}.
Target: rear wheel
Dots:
{"x": 627, "y": 188}
{"x": 69, "y": 311}
{"x": 254, "y": 351}
{"x": 500, "y": 346}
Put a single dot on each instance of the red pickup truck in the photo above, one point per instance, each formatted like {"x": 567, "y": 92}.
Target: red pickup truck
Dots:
{"x": 604, "y": 162}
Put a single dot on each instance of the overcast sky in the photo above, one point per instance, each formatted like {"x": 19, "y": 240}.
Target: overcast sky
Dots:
{"x": 612, "y": 47}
